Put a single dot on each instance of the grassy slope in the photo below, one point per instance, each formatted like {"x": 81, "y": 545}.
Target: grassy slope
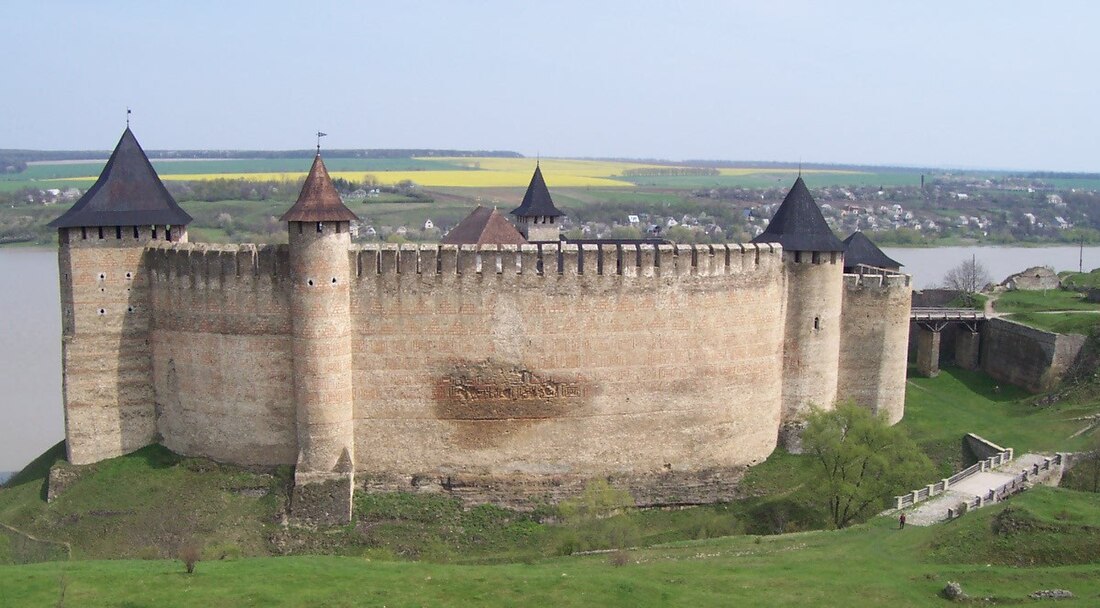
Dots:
{"x": 871, "y": 565}
{"x": 1035, "y": 308}
{"x": 938, "y": 411}
{"x": 144, "y": 505}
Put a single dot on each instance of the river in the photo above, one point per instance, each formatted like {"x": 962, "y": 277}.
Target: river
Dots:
{"x": 31, "y": 417}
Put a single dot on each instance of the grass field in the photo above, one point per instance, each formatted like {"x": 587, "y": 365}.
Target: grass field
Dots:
{"x": 1059, "y": 322}
{"x": 1055, "y": 310}
{"x": 938, "y": 411}
{"x": 1046, "y": 300}
{"x": 1040, "y": 540}
{"x": 1080, "y": 280}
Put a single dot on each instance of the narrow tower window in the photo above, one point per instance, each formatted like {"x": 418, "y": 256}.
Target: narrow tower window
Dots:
{"x": 817, "y": 323}
{"x": 118, "y": 232}
{"x": 320, "y": 226}
{"x": 154, "y": 233}
{"x": 101, "y": 232}
{"x": 135, "y": 232}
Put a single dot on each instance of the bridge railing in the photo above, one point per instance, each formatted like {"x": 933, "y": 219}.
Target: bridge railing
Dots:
{"x": 1010, "y": 487}
{"x": 941, "y": 486}
{"x": 928, "y": 313}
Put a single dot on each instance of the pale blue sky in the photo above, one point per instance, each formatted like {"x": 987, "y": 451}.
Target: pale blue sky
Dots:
{"x": 970, "y": 84}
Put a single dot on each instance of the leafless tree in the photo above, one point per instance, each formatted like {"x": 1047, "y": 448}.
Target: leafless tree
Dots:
{"x": 969, "y": 277}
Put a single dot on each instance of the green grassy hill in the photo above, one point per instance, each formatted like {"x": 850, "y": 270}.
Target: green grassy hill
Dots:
{"x": 870, "y": 565}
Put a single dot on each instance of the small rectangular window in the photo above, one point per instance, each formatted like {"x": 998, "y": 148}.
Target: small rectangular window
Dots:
{"x": 100, "y": 231}
{"x": 320, "y": 226}
{"x": 154, "y": 233}
{"x": 136, "y": 232}
{"x": 84, "y": 232}
{"x": 118, "y": 232}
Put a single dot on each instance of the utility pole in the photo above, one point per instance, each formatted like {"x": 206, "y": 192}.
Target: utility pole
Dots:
{"x": 1081, "y": 255}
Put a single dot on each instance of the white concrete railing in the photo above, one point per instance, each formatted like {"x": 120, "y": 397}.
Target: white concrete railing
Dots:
{"x": 941, "y": 486}
{"x": 1008, "y": 488}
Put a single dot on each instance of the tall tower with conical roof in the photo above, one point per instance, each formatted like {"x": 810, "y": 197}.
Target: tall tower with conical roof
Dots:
{"x": 814, "y": 262}
{"x": 106, "y": 306}
{"x": 320, "y": 307}
{"x": 537, "y": 219}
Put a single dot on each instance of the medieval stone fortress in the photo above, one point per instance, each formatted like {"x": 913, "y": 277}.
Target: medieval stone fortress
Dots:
{"x": 500, "y": 365}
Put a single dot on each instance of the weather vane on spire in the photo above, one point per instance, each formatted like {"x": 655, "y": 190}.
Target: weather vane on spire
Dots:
{"x": 319, "y": 136}
{"x": 128, "y": 113}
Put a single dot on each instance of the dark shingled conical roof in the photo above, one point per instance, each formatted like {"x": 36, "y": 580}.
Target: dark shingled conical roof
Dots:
{"x": 861, "y": 250}
{"x": 537, "y": 201}
{"x": 798, "y": 224}
{"x": 319, "y": 201}
{"x": 484, "y": 226}
{"x": 127, "y": 193}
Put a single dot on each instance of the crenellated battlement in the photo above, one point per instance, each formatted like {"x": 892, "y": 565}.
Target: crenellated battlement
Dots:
{"x": 564, "y": 260}
{"x": 880, "y": 280}
{"x": 206, "y": 264}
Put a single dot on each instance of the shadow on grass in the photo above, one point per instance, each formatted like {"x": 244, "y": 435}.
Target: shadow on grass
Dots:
{"x": 983, "y": 385}
{"x": 156, "y": 456}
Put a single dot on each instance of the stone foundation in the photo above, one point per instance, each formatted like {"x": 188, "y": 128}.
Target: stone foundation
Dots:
{"x": 324, "y": 500}
{"x": 526, "y": 492}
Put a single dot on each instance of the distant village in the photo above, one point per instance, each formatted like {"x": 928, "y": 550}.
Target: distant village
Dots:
{"x": 946, "y": 207}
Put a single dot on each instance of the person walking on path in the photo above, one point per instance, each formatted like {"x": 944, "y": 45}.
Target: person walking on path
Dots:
{"x": 901, "y": 521}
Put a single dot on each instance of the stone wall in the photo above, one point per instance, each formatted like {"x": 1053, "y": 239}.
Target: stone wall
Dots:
{"x": 510, "y": 374}
{"x": 221, "y": 352}
{"x": 1026, "y": 357}
{"x": 488, "y": 369}
{"x": 874, "y": 333}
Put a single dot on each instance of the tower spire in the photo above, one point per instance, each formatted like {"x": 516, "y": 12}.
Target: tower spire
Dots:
{"x": 128, "y": 113}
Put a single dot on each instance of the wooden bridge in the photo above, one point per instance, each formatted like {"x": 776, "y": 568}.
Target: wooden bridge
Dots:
{"x": 930, "y": 321}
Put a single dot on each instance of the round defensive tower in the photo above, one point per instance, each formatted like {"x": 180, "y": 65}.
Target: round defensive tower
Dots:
{"x": 318, "y": 226}
{"x": 874, "y": 329}
{"x": 813, "y": 258}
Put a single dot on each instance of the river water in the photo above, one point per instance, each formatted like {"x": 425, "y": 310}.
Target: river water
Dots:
{"x": 31, "y": 417}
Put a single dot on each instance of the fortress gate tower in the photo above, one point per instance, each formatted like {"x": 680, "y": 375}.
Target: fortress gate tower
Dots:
{"x": 106, "y": 307}
{"x": 814, "y": 260}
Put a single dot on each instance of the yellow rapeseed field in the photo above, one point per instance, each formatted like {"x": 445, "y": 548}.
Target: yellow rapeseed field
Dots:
{"x": 489, "y": 172}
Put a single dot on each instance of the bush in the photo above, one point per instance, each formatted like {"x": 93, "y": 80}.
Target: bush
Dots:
{"x": 190, "y": 554}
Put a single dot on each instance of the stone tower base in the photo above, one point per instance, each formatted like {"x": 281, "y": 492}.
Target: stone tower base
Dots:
{"x": 322, "y": 499}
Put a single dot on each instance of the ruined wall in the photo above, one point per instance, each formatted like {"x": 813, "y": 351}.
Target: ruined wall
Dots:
{"x": 107, "y": 381}
{"x": 221, "y": 352}
{"x": 1026, "y": 357}
{"x": 874, "y": 330}
{"x": 497, "y": 369}
{"x": 811, "y": 342}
